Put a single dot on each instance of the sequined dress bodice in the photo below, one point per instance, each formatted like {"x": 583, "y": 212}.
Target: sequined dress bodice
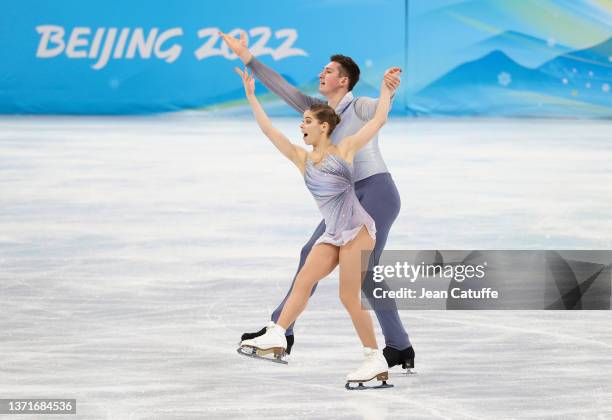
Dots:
{"x": 331, "y": 182}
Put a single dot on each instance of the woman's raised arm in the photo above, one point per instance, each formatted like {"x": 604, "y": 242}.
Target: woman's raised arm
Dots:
{"x": 348, "y": 146}
{"x": 294, "y": 153}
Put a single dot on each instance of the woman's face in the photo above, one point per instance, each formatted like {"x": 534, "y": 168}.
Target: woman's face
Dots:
{"x": 312, "y": 129}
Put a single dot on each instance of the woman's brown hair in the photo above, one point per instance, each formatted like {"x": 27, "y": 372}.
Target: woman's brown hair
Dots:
{"x": 325, "y": 113}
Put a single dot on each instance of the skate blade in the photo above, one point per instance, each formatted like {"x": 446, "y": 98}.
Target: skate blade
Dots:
{"x": 406, "y": 373}
{"x": 255, "y": 354}
{"x": 383, "y": 377}
{"x": 362, "y": 387}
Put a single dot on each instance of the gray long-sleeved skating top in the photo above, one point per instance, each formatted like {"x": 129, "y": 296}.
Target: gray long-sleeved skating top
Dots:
{"x": 353, "y": 112}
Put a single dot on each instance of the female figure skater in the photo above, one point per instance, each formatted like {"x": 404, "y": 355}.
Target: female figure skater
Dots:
{"x": 349, "y": 229}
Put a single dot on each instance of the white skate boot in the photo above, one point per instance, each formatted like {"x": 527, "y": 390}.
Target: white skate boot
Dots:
{"x": 272, "y": 342}
{"x": 374, "y": 366}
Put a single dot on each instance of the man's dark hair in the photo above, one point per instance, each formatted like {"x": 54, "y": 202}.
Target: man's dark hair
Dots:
{"x": 348, "y": 68}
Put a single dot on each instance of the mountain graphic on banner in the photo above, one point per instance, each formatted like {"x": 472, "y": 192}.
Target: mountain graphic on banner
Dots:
{"x": 527, "y": 50}
{"x": 570, "y": 84}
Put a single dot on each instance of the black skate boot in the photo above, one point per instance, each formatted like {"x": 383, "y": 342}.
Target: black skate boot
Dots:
{"x": 395, "y": 357}
{"x": 250, "y": 336}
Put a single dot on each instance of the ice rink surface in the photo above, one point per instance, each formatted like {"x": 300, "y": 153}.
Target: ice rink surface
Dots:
{"x": 135, "y": 251}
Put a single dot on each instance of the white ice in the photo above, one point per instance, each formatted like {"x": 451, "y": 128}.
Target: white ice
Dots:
{"x": 135, "y": 251}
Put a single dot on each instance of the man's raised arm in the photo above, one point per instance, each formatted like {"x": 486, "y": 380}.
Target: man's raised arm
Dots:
{"x": 270, "y": 79}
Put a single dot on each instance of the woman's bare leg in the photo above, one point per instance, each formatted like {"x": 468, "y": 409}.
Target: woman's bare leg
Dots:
{"x": 350, "y": 286}
{"x": 321, "y": 261}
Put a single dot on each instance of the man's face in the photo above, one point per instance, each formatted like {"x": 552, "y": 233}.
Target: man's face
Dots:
{"x": 330, "y": 79}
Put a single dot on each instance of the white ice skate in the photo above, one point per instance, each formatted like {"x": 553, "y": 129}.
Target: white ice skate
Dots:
{"x": 373, "y": 367}
{"x": 273, "y": 342}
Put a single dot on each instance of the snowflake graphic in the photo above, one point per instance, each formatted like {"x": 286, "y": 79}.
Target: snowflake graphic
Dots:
{"x": 605, "y": 87}
{"x": 504, "y": 78}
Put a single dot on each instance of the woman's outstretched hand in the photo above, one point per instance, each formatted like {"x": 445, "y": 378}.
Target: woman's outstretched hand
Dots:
{"x": 247, "y": 81}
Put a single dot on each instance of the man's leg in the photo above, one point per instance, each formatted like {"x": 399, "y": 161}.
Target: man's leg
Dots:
{"x": 303, "y": 255}
{"x": 379, "y": 197}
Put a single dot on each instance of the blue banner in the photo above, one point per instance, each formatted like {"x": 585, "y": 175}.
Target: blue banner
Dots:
{"x": 545, "y": 58}
{"x": 477, "y": 57}
{"x": 141, "y": 57}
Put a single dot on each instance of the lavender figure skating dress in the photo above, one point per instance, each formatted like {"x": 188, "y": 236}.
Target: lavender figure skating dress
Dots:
{"x": 332, "y": 186}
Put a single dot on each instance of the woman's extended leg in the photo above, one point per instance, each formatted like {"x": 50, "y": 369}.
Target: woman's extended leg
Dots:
{"x": 350, "y": 286}
{"x": 320, "y": 262}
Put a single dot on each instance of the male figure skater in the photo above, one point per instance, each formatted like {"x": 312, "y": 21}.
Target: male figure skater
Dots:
{"x": 374, "y": 186}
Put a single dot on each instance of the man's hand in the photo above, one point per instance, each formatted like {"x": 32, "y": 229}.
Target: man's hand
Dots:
{"x": 392, "y": 79}
{"x": 238, "y": 47}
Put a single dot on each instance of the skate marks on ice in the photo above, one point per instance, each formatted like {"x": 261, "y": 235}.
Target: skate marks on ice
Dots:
{"x": 471, "y": 364}
{"x": 359, "y": 385}
{"x": 316, "y": 373}
{"x": 299, "y": 393}
{"x": 533, "y": 364}
{"x": 126, "y": 279}
{"x": 501, "y": 184}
